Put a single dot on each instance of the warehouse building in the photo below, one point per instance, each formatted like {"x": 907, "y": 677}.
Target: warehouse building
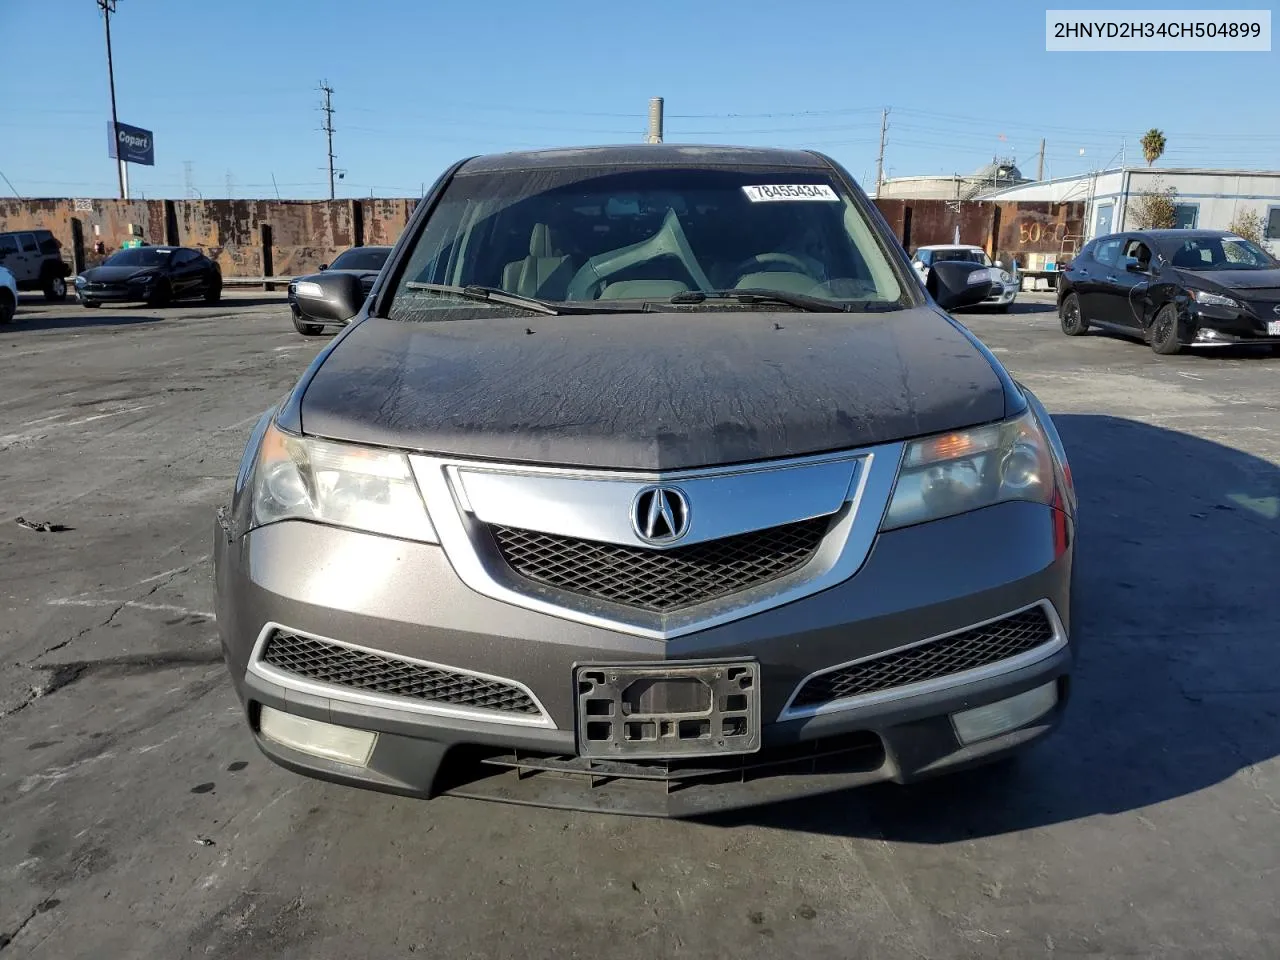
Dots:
{"x": 1208, "y": 199}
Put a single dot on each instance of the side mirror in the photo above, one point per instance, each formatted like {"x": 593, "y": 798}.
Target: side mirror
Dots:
{"x": 1132, "y": 265}
{"x": 335, "y": 298}
{"x": 324, "y": 266}
{"x": 1000, "y": 264}
{"x": 956, "y": 283}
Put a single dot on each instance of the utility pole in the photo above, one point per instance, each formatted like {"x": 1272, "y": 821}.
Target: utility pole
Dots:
{"x": 328, "y": 128}
{"x": 186, "y": 179}
{"x": 108, "y": 7}
{"x": 1040, "y": 165}
{"x": 884, "y": 129}
{"x": 655, "y": 120}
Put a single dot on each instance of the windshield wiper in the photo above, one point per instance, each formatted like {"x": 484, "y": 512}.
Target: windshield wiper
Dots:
{"x": 487, "y": 295}
{"x": 800, "y": 301}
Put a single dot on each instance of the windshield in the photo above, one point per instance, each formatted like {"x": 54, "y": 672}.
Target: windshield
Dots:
{"x": 1219, "y": 253}
{"x": 140, "y": 257}
{"x": 360, "y": 258}
{"x": 580, "y": 234}
{"x": 964, "y": 256}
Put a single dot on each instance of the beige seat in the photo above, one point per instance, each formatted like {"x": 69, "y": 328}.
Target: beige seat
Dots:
{"x": 642, "y": 289}
{"x": 545, "y": 272}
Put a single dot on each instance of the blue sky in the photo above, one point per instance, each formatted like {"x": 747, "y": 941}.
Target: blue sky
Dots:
{"x": 232, "y": 87}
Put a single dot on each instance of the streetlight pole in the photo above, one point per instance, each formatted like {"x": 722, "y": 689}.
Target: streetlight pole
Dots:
{"x": 108, "y": 7}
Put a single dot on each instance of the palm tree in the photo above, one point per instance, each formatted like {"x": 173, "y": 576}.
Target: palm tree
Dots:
{"x": 1152, "y": 145}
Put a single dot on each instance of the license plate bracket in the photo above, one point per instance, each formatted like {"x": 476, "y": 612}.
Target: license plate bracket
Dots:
{"x": 659, "y": 711}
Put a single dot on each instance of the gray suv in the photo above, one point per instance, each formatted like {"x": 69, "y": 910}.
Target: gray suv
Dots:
{"x": 648, "y": 480}
{"x": 34, "y": 257}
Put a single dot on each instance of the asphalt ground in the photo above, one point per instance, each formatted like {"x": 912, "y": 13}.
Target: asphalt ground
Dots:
{"x": 137, "y": 819}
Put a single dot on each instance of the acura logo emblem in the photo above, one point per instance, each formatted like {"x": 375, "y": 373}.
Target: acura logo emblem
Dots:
{"x": 1276, "y": 309}
{"x": 660, "y": 514}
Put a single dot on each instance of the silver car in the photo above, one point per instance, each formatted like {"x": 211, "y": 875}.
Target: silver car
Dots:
{"x": 1004, "y": 285}
{"x": 648, "y": 480}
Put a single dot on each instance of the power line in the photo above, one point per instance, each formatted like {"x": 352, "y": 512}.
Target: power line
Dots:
{"x": 328, "y": 127}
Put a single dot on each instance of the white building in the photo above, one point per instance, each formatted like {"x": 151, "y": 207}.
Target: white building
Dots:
{"x": 1209, "y": 199}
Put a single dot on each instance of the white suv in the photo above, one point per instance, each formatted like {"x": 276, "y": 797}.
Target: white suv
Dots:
{"x": 1004, "y": 286}
{"x": 8, "y": 295}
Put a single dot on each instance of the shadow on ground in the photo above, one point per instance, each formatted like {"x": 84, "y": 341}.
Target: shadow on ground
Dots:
{"x": 76, "y": 317}
{"x": 1234, "y": 351}
{"x": 1176, "y": 685}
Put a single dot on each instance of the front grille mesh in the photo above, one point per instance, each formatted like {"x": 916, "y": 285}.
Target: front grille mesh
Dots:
{"x": 659, "y": 580}
{"x": 954, "y": 654}
{"x": 376, "y": 673}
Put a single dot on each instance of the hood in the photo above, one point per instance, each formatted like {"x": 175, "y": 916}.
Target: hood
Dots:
{"x": 653, "y": 391}
{"x": 117, "y": 274}
{"x": 1253, "y": 280}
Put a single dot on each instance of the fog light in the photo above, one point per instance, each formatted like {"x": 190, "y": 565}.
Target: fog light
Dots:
{"x": 318, "y": 739}
{"x": 1002, "y": 716}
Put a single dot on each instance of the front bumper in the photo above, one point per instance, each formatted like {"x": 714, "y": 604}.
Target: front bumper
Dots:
{"x": 1002, "y": 297}
{"x": 1208, "y": 326}
{"x": 113, "y": 294}
{"x": 403, "y": 599}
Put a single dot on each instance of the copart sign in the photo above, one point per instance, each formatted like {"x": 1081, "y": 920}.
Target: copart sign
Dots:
{"x": 132, "y": 144}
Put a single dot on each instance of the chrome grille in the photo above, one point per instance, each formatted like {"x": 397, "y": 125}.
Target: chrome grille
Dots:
{"x": 659, "y": 580}
{"x": 379, "y": 673}
{"x": 962, "y": 651}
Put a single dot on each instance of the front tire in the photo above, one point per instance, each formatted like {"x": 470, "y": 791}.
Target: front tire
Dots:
{"x": 8, "y": 307}
{"x": 1071, "y": 318}
{"x": 1164, "y": 331}
{"x": 214, "y": 293}
{"x": 308, "y": 329}
{"x": 55, "y": 289}
{"x": 90, "y": 304}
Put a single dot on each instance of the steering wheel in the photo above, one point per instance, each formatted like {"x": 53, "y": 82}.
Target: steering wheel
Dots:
{"x": 783, "y": 258}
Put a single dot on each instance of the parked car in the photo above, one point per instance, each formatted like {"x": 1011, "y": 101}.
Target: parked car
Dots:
{"x": 152, "y": 275}
{"x": 1004, "y": 285}
{"x": 648, "y": 479}
{"x": 1173, "y": 288}
{"x": 8, "y": 295}
{"x": 34, "y": 257}
{"x": 363, "y": 263}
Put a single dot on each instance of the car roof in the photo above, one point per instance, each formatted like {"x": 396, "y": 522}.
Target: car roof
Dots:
{"x": 1171, "y": 233}
{"x": 648, "y": 154}
{"x": 951, "y": 246}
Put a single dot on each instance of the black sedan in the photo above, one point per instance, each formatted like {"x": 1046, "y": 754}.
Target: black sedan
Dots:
{"x": 1173, "y": 288}
{"x": 152, "y": 275}
{"x": 363, "y": 262}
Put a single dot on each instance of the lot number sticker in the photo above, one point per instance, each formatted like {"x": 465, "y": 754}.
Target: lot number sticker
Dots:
{"x": 795, "y": 191}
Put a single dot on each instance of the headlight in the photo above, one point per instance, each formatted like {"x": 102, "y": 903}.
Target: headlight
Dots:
{"x": 80, "y": 281}
{"x": 336, "y": 483}
{"x": 308, "y": 288}
{"x": 981, "y": 276}
{"x": 1005, "y": 277}
{"x": 953, "y": 473}
{"x": 1212, "y": 299}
